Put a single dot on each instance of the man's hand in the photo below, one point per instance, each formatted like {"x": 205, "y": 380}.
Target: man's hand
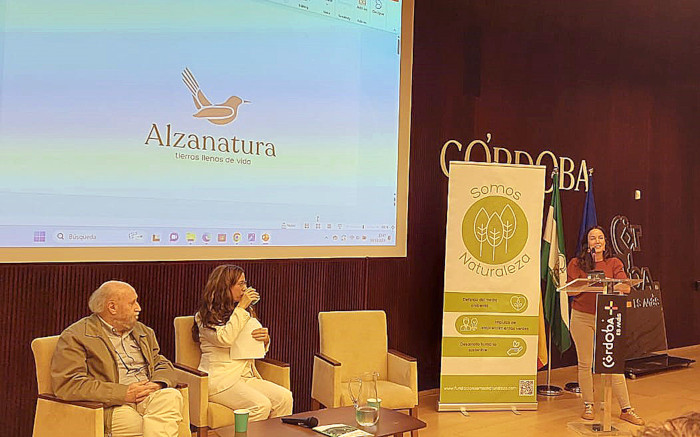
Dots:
{"x": 139, "y": 391}
{"x": 261, "y": 334}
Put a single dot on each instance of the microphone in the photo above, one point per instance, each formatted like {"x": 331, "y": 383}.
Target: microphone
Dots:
{"x": 308, "y": 422}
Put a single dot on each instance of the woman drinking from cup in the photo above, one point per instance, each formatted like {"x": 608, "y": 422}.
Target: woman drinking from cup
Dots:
{"x": 225, "y": 309}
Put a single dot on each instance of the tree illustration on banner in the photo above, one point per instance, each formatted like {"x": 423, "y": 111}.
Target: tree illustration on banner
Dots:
{"x": 497, "y": 223}
{"x": 494, "y": 230}
{"x": 509, "y": 224}
{"x": 480, "y": 224}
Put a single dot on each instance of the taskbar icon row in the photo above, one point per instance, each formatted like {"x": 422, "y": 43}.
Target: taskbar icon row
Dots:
{"x": 141, "y": 237}
{"x": 107, "y": 237}
{"x": 211, "y": 237}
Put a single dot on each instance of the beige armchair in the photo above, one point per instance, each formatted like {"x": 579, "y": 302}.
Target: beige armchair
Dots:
{"x": 355, "y": 342}
{"x": 58, "y": 418}
{"x": 205, "y": 415}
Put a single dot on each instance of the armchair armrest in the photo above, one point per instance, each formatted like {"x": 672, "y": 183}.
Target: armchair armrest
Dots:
{"x": 273, "y": 362}
{"x": 274, "y": 371}
{"x": 197, "y": 383}
{"x": 402, "y": 355}
{"x": 191, "y": 370}
{"x": 326, "y": 384}
{"x": 403, "y": 370}
{"x": 327, "y": 359}
{"x": 85, "y": 404}
{"x": 73, "y": 418}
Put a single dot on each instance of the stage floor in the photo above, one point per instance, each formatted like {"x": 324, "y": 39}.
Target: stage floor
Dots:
{"x": 655, "y": 397}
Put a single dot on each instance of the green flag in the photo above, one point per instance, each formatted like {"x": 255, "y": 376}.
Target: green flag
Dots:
{"x": 553, "y": 272}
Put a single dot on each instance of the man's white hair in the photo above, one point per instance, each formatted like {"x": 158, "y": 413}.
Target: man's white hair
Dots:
{"x": 104, "y": 293}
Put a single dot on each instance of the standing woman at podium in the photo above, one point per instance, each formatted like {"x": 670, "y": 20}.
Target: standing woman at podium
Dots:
{"x": 225, "y": 309}
{"x": 595, "y": 256}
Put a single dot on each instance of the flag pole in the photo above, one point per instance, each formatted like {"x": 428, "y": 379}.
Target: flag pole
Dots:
{"x": 573, "y": 386}
{"x": 549, "y": 389}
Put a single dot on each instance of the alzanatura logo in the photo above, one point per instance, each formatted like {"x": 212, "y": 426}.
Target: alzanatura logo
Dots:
{"x": 494, "y": 231}
{"x": 223, "y": 113}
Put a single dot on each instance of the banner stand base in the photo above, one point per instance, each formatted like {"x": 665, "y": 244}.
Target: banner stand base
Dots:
{"x": 594, "y": 429}
{"x": 530, "y": 406}
{"x": 549, "y": 390}
{"x": 572, "y": 387}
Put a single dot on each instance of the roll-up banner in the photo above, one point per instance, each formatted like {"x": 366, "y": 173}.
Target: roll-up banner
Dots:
{"x": 492, "y": 287}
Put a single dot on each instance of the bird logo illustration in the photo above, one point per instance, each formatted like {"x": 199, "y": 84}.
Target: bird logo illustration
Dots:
{"x": 223, "y": 113}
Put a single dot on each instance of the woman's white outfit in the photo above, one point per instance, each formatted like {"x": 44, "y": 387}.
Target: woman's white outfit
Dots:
{"x": 236, "y": 383}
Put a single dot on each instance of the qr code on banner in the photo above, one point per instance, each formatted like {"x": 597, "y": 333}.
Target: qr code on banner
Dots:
{"x": 526, "y": 387}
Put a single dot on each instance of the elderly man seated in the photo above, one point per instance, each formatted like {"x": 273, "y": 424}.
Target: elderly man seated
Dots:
{"x": 112, "y": 358}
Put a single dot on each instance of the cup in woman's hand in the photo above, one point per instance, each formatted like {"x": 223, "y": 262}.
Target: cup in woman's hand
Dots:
{"x": 250, "y": 297}
{"x": 254, "y": 300}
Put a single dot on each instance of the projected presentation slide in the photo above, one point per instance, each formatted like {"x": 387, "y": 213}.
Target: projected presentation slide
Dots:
{"x": 204, "y": 123}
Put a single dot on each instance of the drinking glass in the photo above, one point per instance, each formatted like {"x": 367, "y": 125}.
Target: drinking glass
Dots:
{"x": 363, "y": 393}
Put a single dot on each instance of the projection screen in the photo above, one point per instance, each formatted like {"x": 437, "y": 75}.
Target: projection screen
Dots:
{"x": 218, "y": 129}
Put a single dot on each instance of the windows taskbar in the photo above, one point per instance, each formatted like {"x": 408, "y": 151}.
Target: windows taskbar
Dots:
{"x": 378, "y": 235}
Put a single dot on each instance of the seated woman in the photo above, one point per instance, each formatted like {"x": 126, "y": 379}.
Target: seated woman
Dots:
{"x": 235, "y": 383}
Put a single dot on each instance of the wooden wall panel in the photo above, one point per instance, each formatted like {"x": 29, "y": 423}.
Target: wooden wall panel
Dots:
{"x": 617, "y": 84}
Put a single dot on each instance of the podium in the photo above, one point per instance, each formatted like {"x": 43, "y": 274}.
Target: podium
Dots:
{"x": 609, "y": 355}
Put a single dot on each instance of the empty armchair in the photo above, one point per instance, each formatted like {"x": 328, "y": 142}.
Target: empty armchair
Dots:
{"x": 353, "y": 343}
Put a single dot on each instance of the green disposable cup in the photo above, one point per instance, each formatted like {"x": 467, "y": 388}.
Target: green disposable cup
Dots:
{"x": 241, "y": 420}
